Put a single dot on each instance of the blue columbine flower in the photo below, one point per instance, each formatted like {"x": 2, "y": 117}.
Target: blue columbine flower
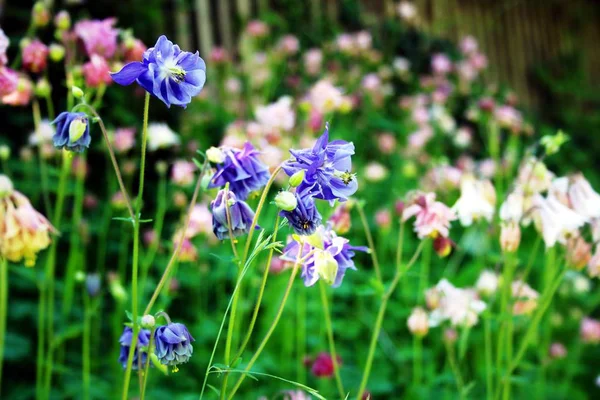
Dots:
{"x": 125, "y": 340}
{"x": 243, "y": 171}
{"x": 331, "y": 257}
{"x": 305, "y": 218}
{"x": 172, "y": 75}
{"x": 72, "y": 131}
{"x": 241, "y": 215}
{"x": 173, "y": 344}
{"x": 328, "y": 168}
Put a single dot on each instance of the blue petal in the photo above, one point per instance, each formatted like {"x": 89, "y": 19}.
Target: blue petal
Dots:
{"x": 129, "y": 73}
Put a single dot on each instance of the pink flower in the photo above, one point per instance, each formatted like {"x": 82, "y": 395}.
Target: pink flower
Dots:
{"x": 478, "y": 61}
{"x": 340, "y": 220}
{"x": 432, "y": 217}
{"x": 558, "y": 350}
{"x": 440, "y": 64}
{"x": 133, "y": 50}
{"x": 386, "y": 143}
{"x": 96, "y": 72}
{"x": 590, "y": 331}
{"x": 218, "y": 55}
{"x": 468, "y": 45}
{"x": 383, "y": 218}
{"x": 124, "y": 139}
{"x": 313, "y": 60}
{"x": 35, "y": 56}
{"x": 257, "y": 29}
{"x": 182, "y": 173}
{"x": 323, "y": 365}
{"x": 8, "y": 81}
{"x": 21, "y": 95}
{"x": 98, "y": 36}
{"x": 188, "y": 252}
{"x": 289, "y": 44}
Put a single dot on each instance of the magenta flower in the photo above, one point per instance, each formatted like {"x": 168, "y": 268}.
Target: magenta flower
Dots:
{"x": 96, "y": 72}
{"x": 323, "y": 367}
{"x": 35, "y": 56}
{"x": 8, "y": 81}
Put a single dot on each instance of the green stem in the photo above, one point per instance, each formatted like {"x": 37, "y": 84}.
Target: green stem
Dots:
{"x": 328, "y": 326}
{"x": 489, "y": 382}
{"x": 3, "y": 310}
{"x": 271, "y": 328}
{"x": 373, "y": 253}
{"x": 301, "y": 336}
{"x": 381, "y": 313}
{"x": 455, "y": 369}
{"x": 49, "y": 272}
{"x": 158, "y": 227}
{"x": 147, "y": 367}
{"x": 260, "y": 293}
{"x": 37, "y": 121}
{"x": 417, "y": 361}
{"x": 41, "y": 341}
{"x": 86, "y": 345}
{"x": 136, "y": 250}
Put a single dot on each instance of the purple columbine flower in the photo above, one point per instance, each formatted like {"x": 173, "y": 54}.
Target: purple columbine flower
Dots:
{"x": 240, "y": 213}
{"x": 336, "y": 248}
{"x": 72, "y": 131}
{"x": 167, "y": 72}
{"x": 242, "y": 169}
{"x": 305, "y": 218}
{"x": 173, "y": 344}
{"x": 328, "y": 168}
{"x": 125, "y": 340}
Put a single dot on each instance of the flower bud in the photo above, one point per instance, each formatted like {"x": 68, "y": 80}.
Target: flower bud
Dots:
{"x": 79, "y": 276}
{"x": 286, "y": 201}
{"x": 40, "y": 14}
{"x": 117, "y": 290}
{"x": 4, "y": 152}
{"x": 77, "y": 92}
{"x": 326, "y": 266}
{"x": 93, "y": 284}
{"x": 43, "y": 88}
{"x": 442, "y": 246}
{"x": 558, "y": 350}
{"x": 296, "y": 179}
{"x": 62, "y": 20}
{"x": 579, "y": 252}
{"x": 148, "y": 321}
{"x": 77, "y": 128}
{"x": 510, "y": 237}
{"x": 215, "y": 155}
{"x": 450, "y": 336}
{"x": 161, "y": 167}
{"x": 56, "y": 52}
{"x": 418, "y": 322}
{"x": 6, "y": 186}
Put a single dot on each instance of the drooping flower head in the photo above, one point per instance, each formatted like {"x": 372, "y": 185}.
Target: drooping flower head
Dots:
{"x": 173, "y": 344}
{"x": 8, "y": 81}
{"x": 72, "y": 131}
{"x": 305, "y": 218}
{"x": 432, "y": 217}
{"x": 125, "y": 340}
{"x": 167, "y": 72}
{"x": 24, "y": 232}
{"x": 22, "y": 93}
{"x": 555, "y": 220}
{"x": 477, "y": 201}
{"x": 98, "y": 36}
{"x": 240, "y": 213}
{"x": 330, "y": 256}
{"x": 242, "y": 169}
{"x": 323, "y": 366}
{"x": 328, "y": 167}
{"x": 583, "y": 198}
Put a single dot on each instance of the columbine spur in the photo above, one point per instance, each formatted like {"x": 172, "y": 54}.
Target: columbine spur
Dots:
{"x": 173, "y": 344}
{"x": 72, "y": 131}
{"x": 328, "y": 166}
{"x": 167, "y": 72}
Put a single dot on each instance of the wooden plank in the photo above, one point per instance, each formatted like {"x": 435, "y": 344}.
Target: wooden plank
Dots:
{"x": 183, "y": 32}
{"x": 204, "y": 27}
{"x": 225, "y": 24}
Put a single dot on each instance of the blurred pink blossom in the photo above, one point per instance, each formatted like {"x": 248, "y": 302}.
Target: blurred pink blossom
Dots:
{"x": 35, "y": 56}
{"x": 124, "y": 139}
{"x": 182, "y": 173}
{"x": 98, "y": 36}
{"x": 590, "y": 330}
{"x": 432, "y": 217}
{"x": 96, "y": 72}
{"x": 8, "y": 81}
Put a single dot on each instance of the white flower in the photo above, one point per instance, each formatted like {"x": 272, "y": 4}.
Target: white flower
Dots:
{"x": 160, "y": 136}
{"x": 325, "y": 98}
{"x": 375, "y": 172}
{"x": 43, "y": 134}
{"x": 406, "y": 10}
{"x": 477, "y": 200}
{"x": 4, "y": 43}
{"x": 534, "y": 177}
{"x": 418, "y": 322}
{"x": 278, "y": 115}
{"x": 555, "y": 220}
{"x": 459, "y": 306}
{"x": 401, "y": 65}
{"x": 584, "y": 200}
{"x": 487, "y": 284}
{"x": 512, "y": 208}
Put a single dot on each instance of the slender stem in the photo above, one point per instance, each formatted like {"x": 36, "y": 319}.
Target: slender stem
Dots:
{"x": 3, "y": 310}
{"x": 328, "y": 326}
{"x": 489, "y": 382}
{"x": 136, "y": 250}
{"x": 455, "y": 369}
{"x": 86, "y": 346}
{"x": 260, "y": 294}
{"x": 271, "y": 328}
{"x": 373, "y": 252}
{"x": 236, "y": 296}
{"x": 379, "y": 320}
{"x": 49, "y": 271}
{"x": 41, "y": 341}
{"x": 301, "y": 336}
{"x": 147, "y": 367}
{"x": 158, "y": 227}
{"x": 173, "y": 259}
{"x": 111, "y": 152}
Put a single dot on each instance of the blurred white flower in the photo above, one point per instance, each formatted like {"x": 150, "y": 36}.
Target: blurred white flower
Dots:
{"x": 555, "y": 220}
{"x": 324, "y": 97}
{"x": 584, "y": 200}
{"x": 487, "y": 284}
{"x": 477, "y": 201}
{"x": 278, "y": 115}
{"x": 461, "y": 307}
{"x": 43, "y": 134}
{"x": 418, "y": 322}
{"x": 160, "y": 136}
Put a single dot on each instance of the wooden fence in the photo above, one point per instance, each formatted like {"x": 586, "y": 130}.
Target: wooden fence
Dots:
{"x": 516, "y": 35}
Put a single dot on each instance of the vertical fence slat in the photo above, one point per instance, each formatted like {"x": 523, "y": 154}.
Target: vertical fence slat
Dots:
{"x": 243, "y": 9}
{"x": 204, "y": 26}
{"x": 225, "y": 24}
{"x": 183, "y": 33}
